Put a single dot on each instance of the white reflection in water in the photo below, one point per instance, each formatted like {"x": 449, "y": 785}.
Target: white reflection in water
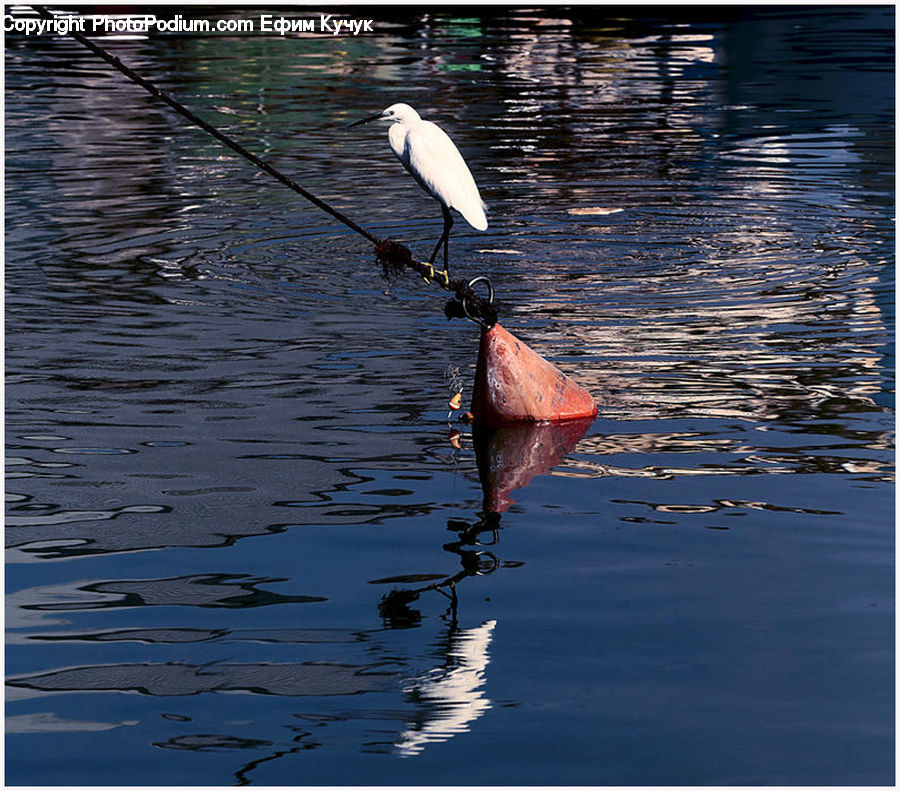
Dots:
{"x": 48, "y": 722}
{"x": 452, "y": 694}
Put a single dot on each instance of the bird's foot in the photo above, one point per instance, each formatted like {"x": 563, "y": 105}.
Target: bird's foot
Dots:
{"x": 429, "y": 276}
{"x": 439, "y": 276}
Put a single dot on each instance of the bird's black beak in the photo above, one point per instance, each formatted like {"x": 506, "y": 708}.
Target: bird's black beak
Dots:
{"x": 365, "y": 120}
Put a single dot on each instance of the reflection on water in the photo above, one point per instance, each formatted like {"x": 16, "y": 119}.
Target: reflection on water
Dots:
{"x": 452, "y": 695}
{"x": 173, "y": 679}
{"x": 510, "y": 457}
{"x": 241, "y": 547}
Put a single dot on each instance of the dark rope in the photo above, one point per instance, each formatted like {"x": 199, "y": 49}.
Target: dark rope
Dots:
{"x": 392, "y": 255}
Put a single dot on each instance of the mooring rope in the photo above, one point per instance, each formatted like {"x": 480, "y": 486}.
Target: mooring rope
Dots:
{"x": 391, "y": 254}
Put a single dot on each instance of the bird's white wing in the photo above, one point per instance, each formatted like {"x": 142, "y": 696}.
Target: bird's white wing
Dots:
{"x": 434, "y": 161}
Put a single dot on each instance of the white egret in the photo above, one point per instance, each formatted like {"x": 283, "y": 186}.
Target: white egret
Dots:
{"x": 431, "y": 158}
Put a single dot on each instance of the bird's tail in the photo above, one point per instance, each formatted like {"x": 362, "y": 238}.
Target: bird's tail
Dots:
{"x": 474, "y": 215}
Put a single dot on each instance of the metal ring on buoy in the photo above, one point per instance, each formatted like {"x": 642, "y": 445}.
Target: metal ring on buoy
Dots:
{"x": 490, "y": 300}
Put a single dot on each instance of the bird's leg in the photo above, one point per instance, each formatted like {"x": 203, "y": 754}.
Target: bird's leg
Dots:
{"x": 448, "y": 224}
{"x": 445, "y": 241}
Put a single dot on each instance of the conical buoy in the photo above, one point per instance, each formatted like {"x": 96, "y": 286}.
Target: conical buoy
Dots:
{"x": 514, "y": 384}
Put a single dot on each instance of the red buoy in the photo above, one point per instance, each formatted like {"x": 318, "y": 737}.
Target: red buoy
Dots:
{"x": 514, "y": 384}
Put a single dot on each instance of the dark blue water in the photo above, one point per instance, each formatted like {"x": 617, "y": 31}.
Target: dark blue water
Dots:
{"x": 241, "y": 545}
